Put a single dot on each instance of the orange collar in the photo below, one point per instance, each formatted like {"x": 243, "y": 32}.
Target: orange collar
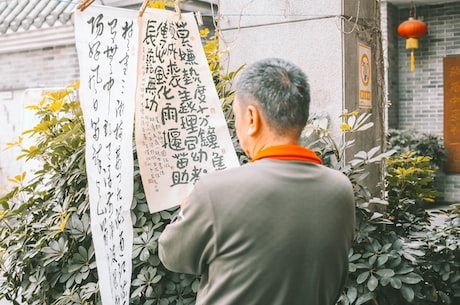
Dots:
{"x": 288, "y": 152}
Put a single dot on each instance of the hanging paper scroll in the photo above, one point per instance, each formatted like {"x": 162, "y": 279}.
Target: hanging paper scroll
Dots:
{"x": 106, "y": 40}
{"x": 181, "y": 132}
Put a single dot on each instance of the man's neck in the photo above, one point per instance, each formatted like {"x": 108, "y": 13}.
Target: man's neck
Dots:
{"x": 271, "y": 140}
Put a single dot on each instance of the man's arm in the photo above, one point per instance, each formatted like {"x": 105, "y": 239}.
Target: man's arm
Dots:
{"x": 188, "y": 244}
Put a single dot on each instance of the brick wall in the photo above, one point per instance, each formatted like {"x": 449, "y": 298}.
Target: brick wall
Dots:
{"x": 22, "y": 73}
{"x": 46, "y": 67}
{"x": 418, "y": 96}
{"x": 421, "y": 92}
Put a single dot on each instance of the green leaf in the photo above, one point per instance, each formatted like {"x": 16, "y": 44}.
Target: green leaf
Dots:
{"x": 411, "y": 278}
{"x": 396, "y": 283}
{"x": 362, "y": 277}
{"x": 144, "y": 256}
{"x": 365, "y": 298}
{"x": 372, "y": 259}
{"x": 352, "y": 294}
{"x": 372, "y": 283}
{"x": 404, "y": 270}
{"x": 156, "y": 279}
{"x": 195, "y": 285}
{"x": 382, "y": 259}
{"x": 408, "y": 293}
{"x": 385, "y": 272}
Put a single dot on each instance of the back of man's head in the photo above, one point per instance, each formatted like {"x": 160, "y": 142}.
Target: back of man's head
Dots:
{"x": 281, "y": 90}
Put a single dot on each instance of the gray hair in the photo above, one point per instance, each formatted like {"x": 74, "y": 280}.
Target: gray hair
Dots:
{"x": 282, "y": 91}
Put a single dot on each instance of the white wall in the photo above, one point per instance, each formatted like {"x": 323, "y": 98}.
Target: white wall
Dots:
{"x": 14, "y": 119}
{"x": 306, "y": 32}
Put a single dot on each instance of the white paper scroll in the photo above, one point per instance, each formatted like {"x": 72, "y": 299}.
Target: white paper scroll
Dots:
{"x": 181, "y": 132}
{"x": 106, "y": 40}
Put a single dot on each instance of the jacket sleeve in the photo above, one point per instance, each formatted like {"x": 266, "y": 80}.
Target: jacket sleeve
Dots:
{"x": 188, "y": 244}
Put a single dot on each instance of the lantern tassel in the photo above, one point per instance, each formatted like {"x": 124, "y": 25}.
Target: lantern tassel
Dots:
{"x": 412, "y": 61}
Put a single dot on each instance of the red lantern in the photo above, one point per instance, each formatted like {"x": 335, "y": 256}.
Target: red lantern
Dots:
{"x": 412, "y": 29}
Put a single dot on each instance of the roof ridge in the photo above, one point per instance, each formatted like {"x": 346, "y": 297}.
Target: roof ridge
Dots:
{"x": 20, "y": 15}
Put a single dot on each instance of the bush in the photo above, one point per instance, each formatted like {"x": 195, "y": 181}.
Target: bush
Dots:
{"x": 398, "y": 255}
{"x": 47, "y": 255}
{"x": 409, "y": 183}
{"x": 422, "y": 144}
{"x": 46, "y": 249}
{"x": 48, "y": 258}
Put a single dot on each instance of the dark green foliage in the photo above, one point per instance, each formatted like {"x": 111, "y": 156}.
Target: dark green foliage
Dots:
{"x": 399, "y": 255}
{"x": 422, "y": 144}
{"x": 410, "y": 183}
{"x": 47, "y": 256}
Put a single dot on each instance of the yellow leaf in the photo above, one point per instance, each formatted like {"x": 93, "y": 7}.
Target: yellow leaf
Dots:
{"x": 58, "y": 95}
{"x": 423, "y": 158}
{"x": 18, "y": 178}
{"x": 204, "y": 32}
{"x": 407, "y": 154}
{"x": 64, "y": 222}
{"x": 32, "y": 148}
{"x": 13, "y": 144}
{"x": 32, "y": 107}
{"x": 74, "y": 86}
{"x": 57, "y": 105}
{"x": 40, "y": 127}
{"x": 157, "y": 4}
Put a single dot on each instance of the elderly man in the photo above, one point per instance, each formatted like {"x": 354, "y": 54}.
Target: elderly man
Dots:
{"x": 277, "y": 230}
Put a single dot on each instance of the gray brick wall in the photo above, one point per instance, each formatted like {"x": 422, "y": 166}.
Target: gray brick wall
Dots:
{"x": 46, "y": 67}
{"x": 418, "y": 96}
{"x": 20, "y": 72}
{"x": 452, "y": 188}
{"x": 421, "y": 92}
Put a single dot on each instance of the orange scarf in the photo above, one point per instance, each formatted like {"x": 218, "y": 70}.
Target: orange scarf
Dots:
{"x": 288, "y": 152}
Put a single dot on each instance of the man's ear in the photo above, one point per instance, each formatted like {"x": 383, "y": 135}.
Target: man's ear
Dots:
{"x": 254, "y": 120}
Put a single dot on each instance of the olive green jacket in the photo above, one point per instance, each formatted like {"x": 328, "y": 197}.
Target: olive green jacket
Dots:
{"x": 271, "y": 232}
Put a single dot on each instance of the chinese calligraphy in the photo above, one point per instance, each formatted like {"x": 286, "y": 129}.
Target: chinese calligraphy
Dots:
{"x": 106, "y": 45}
{"x": 181, "y": 132}
{"x": 180, "y": 129}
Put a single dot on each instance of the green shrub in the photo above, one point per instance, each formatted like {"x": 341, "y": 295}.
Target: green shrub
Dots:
{"x": 46, "y": 250}
{"x": 422, "y": 144}
{"x": 410, "y": 183}
{"x": 399, "y": 256}
{"x": 440, "y": 263}
{"x": 47, "y": 255}
{"x": 381, "y": 270}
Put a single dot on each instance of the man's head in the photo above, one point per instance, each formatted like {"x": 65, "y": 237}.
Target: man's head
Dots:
{"x": 272, "y": 101}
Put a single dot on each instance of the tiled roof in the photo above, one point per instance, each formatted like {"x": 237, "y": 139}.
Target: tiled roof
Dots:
{"x": 23, "y": 15}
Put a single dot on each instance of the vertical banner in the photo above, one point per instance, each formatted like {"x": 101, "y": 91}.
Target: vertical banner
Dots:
{"x": 452, "y": 113}
{"x": 365, "y": 76}
{"x": 106, "y": 40}
{"x": 181, "y": 132}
